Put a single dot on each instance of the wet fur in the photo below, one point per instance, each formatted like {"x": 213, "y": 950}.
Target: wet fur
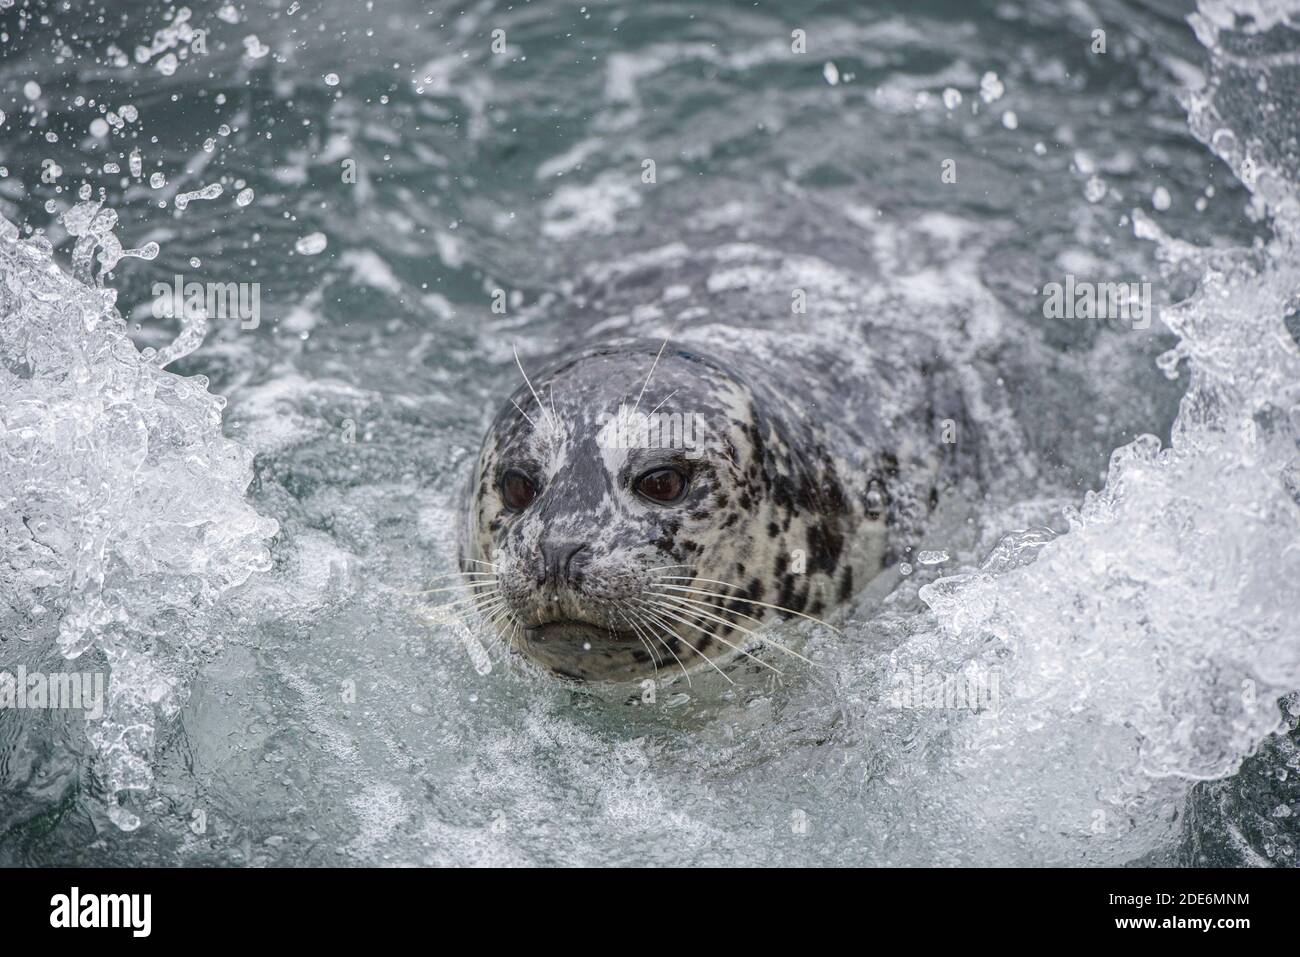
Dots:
{"x": 830, "y": 452}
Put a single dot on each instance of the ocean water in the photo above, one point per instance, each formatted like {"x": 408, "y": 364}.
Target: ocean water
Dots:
{"x": 412, "y": 191}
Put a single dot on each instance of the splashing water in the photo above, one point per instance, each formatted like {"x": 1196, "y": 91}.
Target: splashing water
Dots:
{"x": 1055, "y": 702}
{"x": 122, "y": 513}
{"x": 1164, "y": 623}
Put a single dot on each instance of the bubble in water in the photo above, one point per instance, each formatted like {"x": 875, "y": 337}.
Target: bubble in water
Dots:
{"x": 1010, "y": 120}
{"x": 129, "y": 113}
{"x": 254, "y": 48}
{"x": 934, "y": 557}
{"x": 1160, "y": 199}
{"x": 98, "y": 128}
{"x": 991, "y": 88}
{"x": 1094, "y": 190}
{"x": 157, "y": 180}
{"x": 135, "y": 164}
{"x": 951, "y": 98}
{"x": 32, "y": 90}
{"x": 167, "y": 64}
{"x": 2, "y": 117}
{"x": 311, "y": 244}
{"x": 331, "y": 79}
{"x": 244, "y": 198}
{"x": 195, "y": 262}
{"x": 831, "y": 72}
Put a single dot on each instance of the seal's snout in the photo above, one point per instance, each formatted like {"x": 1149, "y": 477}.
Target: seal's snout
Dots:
{"x": 561, "y": 563}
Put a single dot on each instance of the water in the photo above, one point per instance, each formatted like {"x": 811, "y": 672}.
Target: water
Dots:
{"x": 382, "y": 178}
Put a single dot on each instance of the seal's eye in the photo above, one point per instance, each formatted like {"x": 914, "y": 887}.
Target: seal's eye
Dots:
{"x": 662, "y": 485}
{"x": 517, "y": 490}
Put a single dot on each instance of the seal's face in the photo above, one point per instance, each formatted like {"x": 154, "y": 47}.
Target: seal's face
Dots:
{"x": 614, "y": 531}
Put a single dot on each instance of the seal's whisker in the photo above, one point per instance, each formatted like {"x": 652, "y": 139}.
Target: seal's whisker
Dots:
{"x": 469, "y": 585}
{"x": 716, "y": 606}
{"x": 751, "y": 601}
{"x": 498, "y": 615}
{"x": 450, "y": 575}
{"x": 463, "y": 575}
{"x": 654, "y": 655}
{"x": 663, "y": 609}
{"x": 668, "y": 648}
{"x": 523, "y": 413}
{"x": 649, "y": 374}
{"x": 755, "y": 635}
{"x": 662, "y": 401}
{"x": 659, "y": 622}
{"x": 659, "y": 567}
{"x": 476, "y": 597}
{"x": 479, "y": 561}
{"x": 554, "y": 424}
{"x": 654, "y": 659}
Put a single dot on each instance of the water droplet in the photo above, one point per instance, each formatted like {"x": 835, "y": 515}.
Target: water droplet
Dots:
{"x": 311, "y": 244}
{"x": 254, "y": 48}
{"x": 991, "y": 87}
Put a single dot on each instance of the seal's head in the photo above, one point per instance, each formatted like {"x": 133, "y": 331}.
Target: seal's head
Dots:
{"x": 621, "y": 522}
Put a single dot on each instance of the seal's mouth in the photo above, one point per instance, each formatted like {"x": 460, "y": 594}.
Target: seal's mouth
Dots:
{"x": 569, "y": 631}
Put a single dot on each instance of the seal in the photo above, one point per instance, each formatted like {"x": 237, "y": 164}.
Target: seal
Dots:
{"x": 642, "y": 504}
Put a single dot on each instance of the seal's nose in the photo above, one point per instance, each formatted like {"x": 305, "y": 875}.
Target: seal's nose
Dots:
{"x": 561, "y": 562}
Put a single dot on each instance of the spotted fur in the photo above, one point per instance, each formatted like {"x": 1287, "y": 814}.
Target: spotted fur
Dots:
{"x": 820, "y": 457}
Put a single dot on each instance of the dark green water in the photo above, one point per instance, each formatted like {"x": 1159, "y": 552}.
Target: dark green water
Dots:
{"x": 326, "y": 723}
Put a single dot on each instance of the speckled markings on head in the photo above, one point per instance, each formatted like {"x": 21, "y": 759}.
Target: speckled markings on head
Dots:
{"x": 810, "y": 466}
